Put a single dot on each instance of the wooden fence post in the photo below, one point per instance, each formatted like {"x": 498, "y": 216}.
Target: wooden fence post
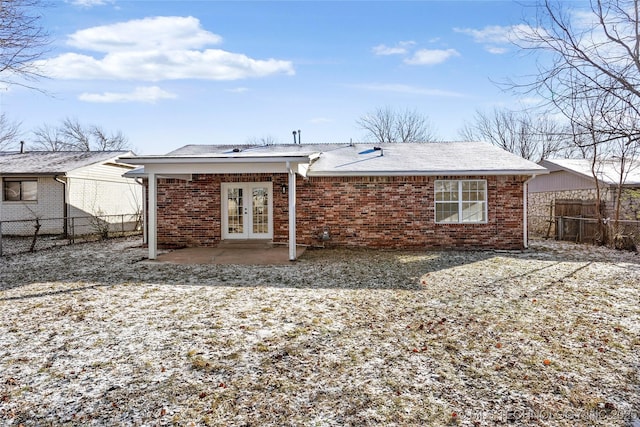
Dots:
{"x": 560, "y": 228}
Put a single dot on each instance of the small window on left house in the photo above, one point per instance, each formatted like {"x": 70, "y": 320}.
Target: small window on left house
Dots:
{"x": 20, "y": 190}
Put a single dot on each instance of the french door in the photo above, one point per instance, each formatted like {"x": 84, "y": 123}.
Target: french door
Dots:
{"x": 247, "y": 210}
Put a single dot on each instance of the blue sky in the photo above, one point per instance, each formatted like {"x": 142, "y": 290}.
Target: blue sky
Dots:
{"x": 170, "y": 73}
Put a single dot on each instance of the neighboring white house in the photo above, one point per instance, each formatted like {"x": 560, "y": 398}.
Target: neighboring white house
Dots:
{"x": 44, "y": 184}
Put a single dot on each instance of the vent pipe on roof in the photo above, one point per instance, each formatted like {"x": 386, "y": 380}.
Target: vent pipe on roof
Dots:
{"x": 299, "y": 136}
{"x": 294, "y": 137}
{"x": 21, "y": 147}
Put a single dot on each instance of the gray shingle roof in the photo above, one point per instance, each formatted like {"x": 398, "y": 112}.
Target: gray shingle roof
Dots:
{"x": 52, "y": 162}
{"x": 440, "y": 158}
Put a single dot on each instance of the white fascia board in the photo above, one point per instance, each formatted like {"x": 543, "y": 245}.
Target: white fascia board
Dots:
{"x": 312, "y": 173}
{"x": 151, "y": 160}
{"x": 216, "y": 168}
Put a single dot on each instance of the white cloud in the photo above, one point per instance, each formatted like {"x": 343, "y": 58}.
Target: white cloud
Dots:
{"x": 492, "y": 36}
{"x": 402, "y": 88}
{"x": 89, "y": 3}
{"x": 496, "y": 50}
{"x": 156, "y": 33}
{"x": 431, "y": 56}
{"x": 238, "y": 90}
{"x": 496, "y": 34}
{"x": 400, "y": 48}
{"x": 155, "y": 49}
{"x": 149, "y": 94}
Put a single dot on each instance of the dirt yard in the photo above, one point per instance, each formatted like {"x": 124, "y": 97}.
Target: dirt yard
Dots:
{"x": 96, "y": 335}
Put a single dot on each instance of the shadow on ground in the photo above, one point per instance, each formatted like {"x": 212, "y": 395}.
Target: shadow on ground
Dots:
{"x": 124, "y": 261}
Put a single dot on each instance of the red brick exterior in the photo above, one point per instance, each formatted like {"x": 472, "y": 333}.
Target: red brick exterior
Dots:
{"x": 379, "y": 212}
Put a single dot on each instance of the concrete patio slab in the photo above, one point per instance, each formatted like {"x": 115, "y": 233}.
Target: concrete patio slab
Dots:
{"x": 231, "y": 254}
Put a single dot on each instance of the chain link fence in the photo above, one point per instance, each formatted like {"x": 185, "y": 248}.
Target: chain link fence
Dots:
{"x": 42, "y": 233}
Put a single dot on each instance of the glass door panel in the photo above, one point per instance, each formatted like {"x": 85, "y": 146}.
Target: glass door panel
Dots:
{"x": 260, "y": 202}
{"x": 235, "y": 211}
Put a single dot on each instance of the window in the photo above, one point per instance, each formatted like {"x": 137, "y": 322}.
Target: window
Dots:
{"x": 16, "y": 191}
{"x": 461, "y": 201}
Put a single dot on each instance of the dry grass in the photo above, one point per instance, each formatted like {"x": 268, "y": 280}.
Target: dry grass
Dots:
{"x": 549, "y": 337}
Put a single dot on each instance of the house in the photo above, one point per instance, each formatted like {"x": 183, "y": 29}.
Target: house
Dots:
{"x": 428, "y": 195}
{"x": 45, "y": 184}
{"x": 572, "y": 180}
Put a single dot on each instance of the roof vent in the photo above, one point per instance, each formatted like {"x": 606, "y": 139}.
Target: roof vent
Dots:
{"x": 236, "y": 150}
{"x": 380, "y": 150}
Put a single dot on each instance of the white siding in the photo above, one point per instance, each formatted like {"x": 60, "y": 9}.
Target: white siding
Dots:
{"x": 559, "y": 181}
{"x": 49, "y": 205}
{"x": 87, "y": 197}
{"x": 101, "y": 190}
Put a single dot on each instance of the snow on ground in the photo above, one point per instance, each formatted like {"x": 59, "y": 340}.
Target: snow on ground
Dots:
{"x": 95, "y": 335}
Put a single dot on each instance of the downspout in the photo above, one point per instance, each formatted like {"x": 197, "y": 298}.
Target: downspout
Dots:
{"x": 525, "y": 190}
{"x": 65, "y": 205}
{"x": 144, "y": 209}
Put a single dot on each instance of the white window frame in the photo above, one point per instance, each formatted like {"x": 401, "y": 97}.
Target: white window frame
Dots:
{"x": 460, "y": 202}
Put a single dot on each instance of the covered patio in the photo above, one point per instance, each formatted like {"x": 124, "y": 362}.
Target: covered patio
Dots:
{"x": 187, "y": 163}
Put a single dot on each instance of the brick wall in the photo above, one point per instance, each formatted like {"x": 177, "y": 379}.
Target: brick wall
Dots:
{"x": 381, "y": 212}
{"x": 398, "y": 212}
{"x": 189, "y": 212}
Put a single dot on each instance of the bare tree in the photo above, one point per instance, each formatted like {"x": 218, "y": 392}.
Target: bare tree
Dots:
{"x": 531, "y": 137}
{"x": 103, "y": 141}
{"x": 589, "y": 70}
{"x": 595, "y": 56}
{"x": 71, "y": 135}
{"x": 388, "y": 125}
{"x": 48, "y": 138}
{"x": 623, "y": 156}
{"x": 9, "y": 132}
{"x": 75, "y": 135}
{"x": 22, "y": 40}
{"x": 262, "y": 140}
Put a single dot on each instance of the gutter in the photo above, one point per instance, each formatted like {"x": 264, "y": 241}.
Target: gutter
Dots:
{"x": 312, "y": 173}
{"x": 190, "y": 160}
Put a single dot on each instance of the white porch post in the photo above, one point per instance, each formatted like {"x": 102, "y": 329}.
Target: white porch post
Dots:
{"x": 292, "y": 213}
{"x": 152, "y": 236}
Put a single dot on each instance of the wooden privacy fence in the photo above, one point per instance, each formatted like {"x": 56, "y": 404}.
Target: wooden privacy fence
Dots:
{"x": 575, "y": 220}
{"x": 576, "y": 229}
{"x": 622, "y": 234}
